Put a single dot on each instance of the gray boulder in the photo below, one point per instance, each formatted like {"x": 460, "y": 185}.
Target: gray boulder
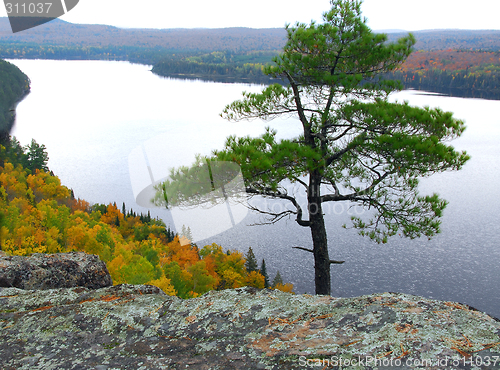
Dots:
{"x": 49, "y": 271}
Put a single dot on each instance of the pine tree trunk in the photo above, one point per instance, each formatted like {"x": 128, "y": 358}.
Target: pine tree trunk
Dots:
{"x": 321, "y": 259}
{"x": 318, "y": 232}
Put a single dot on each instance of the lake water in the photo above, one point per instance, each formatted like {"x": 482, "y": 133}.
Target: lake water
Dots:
{"x": 94, "y": 118}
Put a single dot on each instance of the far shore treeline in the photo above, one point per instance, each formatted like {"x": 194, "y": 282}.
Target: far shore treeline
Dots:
{"x": 453, "y": 62}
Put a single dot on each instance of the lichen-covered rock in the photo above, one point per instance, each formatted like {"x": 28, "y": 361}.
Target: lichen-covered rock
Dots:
{"x": 49, "y": 271}
{"x": 139, "y": 327}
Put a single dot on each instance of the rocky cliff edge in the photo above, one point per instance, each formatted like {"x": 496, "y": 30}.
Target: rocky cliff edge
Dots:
{"x": 139, "y": 327}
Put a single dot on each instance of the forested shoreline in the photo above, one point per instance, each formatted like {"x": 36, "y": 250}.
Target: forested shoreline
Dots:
{"x": 221, "y": 66}
{"x": 453, "y": 72}
{"x": 14, "y": 86}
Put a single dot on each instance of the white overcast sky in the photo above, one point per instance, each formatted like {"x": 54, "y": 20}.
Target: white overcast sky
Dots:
{"x": 409, "y": 15}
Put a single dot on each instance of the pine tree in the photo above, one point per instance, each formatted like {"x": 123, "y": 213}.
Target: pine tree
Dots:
{"x": 36, "y": 157}
{"x": 263, "y": 272}
{"x": 369, "y": 150}
{"x": 277, "y": 280}
{"x": 169, "y": 234}
{"x": 251, "y": 262}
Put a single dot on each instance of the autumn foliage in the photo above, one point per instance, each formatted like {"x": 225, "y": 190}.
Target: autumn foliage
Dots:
{"x": 39, "y": 215}
{"x": 451, "y": 69}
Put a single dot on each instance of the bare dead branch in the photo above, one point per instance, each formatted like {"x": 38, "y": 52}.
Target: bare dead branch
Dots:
{"x": 304, "y": 249}
{"x": 312, "y": 251}
{"x": 278, "y": 216}
{"x": 336, "y": 262}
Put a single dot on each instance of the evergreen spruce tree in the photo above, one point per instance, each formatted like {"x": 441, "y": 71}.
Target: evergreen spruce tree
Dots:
{"x": 263, "y": 272}
{"x": 251, "y": 261}
{"x": 35, "y": 157}
{"x": 277, "y": 280}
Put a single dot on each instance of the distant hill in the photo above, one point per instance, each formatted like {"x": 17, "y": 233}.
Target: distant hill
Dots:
{"x": 58, "y": 32}
{"x": 432, "y": 40}
{"x": 390, "y": 31}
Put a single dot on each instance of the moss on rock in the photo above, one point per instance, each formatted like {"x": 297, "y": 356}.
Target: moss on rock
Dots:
{"x": 139, "y": 327}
